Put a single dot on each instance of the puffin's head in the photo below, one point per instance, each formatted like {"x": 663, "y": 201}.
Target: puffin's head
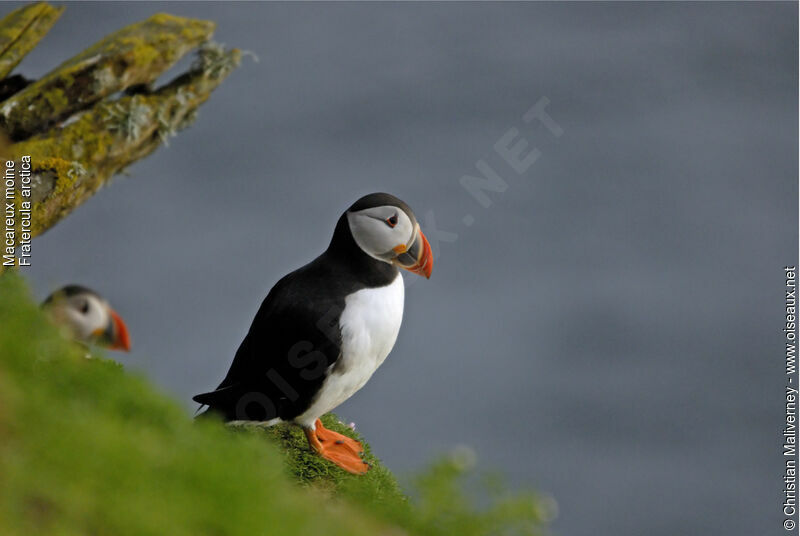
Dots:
{"x": 386, "y": 229}
{"x": 88, "y": 317}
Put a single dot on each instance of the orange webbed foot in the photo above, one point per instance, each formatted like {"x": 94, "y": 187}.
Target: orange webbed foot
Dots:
{"x": 337, "y": 448}
{"x": 329, "y": 436}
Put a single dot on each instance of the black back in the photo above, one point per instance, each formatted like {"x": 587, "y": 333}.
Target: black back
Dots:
{"x": 295, "y": 336}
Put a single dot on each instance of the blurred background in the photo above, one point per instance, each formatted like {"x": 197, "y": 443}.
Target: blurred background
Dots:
{"x": 607, "y": 330}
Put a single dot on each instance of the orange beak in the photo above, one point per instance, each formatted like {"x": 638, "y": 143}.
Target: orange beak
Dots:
{"x": 418, "y": 258}
{"x": 121, "y": 339}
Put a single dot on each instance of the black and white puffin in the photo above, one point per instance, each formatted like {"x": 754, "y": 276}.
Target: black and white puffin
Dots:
{"x": 324, "y": 329}
{"x": 87, "y": 317}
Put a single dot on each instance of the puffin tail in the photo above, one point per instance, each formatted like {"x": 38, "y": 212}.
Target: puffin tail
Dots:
{"x": 241, "y": 401}
{"x": 222, "y": 402}
{"x": 204, "y": 399}
{"x": 201, "y": 411}
{"x": 207, "y": 402}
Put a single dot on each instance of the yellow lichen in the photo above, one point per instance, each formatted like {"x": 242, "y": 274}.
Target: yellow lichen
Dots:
{"x": 60, "y": 166}
{"x": 56, "y": 99}
{"x": 21, "y": 30}
{"x": 137, "y": 54}
{"x": 74, "y": 158}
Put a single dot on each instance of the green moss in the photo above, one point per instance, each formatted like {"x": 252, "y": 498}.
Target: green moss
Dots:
{"x": 309, "y": 469}
{"x": 87, "y": 448}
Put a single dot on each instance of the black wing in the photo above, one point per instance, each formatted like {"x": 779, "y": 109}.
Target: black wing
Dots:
{"x": 286, "y": 355}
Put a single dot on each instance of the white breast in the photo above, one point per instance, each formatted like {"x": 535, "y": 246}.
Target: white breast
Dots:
{"x": 369, "y": 324}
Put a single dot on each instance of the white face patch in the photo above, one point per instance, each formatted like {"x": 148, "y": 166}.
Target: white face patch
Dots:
{"x": 82, "y": 314}
{"x": 378, "y": 230}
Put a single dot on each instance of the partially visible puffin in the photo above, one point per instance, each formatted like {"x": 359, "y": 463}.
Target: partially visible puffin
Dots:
{"x": 324, "y": 329}
{"x": 87, "y": 317}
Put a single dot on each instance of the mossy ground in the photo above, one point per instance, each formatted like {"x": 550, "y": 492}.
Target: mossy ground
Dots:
{"x": 87, "y": 448}
{"x": 311, "y": 470}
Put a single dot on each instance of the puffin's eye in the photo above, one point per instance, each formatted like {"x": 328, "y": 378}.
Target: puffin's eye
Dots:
{"x": 84, "y": 306}
{"x": 391, "y": 222}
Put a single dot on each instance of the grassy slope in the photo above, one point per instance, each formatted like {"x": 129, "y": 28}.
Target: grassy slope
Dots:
{"x": 307, "y": 468}
{"x": 87, "y": 448}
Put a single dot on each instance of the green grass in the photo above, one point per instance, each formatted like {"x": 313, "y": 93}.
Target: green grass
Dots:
{"x": 309, "y": 469}
{"x": 87, "y": 448}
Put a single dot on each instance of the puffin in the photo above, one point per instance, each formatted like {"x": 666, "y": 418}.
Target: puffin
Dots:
{"x": 87, "y": 317}
{"x": 324, "y": 329}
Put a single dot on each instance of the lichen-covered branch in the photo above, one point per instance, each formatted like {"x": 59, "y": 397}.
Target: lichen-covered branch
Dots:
{"x": 21, "y": 30}
{"x": 71, "y": 162}
{"x": 135, "y": 55}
